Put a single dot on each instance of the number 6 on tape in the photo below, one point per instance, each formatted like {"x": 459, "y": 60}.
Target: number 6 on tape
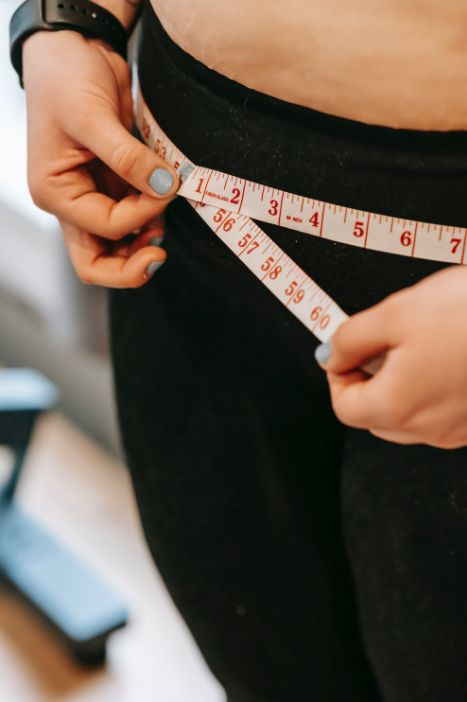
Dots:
{"x": 227, "y": 204}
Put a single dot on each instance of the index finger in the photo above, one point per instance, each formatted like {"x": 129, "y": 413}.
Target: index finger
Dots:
{"x": 61, "y": 181}
{"x": 137, "y": 164}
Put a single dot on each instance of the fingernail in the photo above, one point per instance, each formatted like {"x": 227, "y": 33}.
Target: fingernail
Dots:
{"x": 185, "y": 170}
{"x": 157, "y": 240}
{"x": 323, "y": 352}
{"x": 161, "y": 180}
{"x": 152, "y": 268}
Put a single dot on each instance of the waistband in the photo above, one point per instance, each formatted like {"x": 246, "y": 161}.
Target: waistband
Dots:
{"x": 226, "y": 126}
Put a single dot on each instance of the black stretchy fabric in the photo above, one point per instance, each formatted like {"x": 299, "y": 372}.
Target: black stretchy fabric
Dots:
{"x": 311, "y": 562}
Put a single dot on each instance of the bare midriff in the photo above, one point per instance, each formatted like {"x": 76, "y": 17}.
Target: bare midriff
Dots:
{"x": 398, "y": 63}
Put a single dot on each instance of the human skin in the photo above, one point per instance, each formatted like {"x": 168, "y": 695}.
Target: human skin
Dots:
{"x": 80, "y": 152}
{"x": 419, "y": 395}
{"x": 401, "y": 63}
{"x": 84, "y": 166}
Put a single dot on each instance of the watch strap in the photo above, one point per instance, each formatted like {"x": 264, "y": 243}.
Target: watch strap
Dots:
{"x": 84, "y": 16}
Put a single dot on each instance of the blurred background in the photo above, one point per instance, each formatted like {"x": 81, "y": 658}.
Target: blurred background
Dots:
{"x": 72, "y": 555}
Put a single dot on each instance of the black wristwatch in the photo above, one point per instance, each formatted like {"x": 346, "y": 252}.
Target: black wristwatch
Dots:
{"x": 83, "y": 16}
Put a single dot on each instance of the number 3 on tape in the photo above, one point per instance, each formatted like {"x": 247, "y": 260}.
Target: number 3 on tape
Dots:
{"x": 229, "y": 205}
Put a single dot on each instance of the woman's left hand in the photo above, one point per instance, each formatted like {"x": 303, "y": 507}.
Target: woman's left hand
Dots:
{"x": 419, "y": 395}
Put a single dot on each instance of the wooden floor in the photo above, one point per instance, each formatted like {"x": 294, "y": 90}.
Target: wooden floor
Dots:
{"x": 83, "y": 495}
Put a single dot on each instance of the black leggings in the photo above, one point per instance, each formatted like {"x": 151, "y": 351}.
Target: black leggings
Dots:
{"x": 312, "y": 562}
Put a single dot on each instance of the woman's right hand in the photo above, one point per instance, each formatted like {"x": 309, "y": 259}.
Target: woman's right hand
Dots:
{"x": 85, "y": 167}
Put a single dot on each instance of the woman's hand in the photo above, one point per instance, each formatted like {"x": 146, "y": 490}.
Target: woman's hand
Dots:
{"x": 85, "y": 167}
{"x": 419, "y": 395}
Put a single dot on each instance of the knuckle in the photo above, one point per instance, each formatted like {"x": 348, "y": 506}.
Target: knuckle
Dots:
{"x": 379, "y": 434}
{"x": 343, "y": 414}
{"x": 84, "y": 275}
{"x": 124, "y": 160}
{"x": 38, "y": 192}
{"x": 445, "y": 444}
{"x": 113, "y": 229}
{"x": 449, "y": 439}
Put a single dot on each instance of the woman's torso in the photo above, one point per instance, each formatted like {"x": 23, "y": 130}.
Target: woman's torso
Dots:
{"x": 401, "y": 63}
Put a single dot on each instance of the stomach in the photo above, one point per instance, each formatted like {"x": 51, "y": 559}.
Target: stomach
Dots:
{"x": 401, "y": 63}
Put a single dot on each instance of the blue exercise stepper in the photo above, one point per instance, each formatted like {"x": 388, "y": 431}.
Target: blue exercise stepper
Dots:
{"x": 74, "y": 602}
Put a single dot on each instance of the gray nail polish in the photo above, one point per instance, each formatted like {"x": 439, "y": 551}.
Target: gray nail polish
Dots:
{"x": 161, "y": 180}
{"x": 185, "y": 170}
{"x": 323, "y": 352}
{"x": 152, "y": 268}
{"x": 157, "y": 240}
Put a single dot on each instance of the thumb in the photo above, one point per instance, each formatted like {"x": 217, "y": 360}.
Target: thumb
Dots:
{"x": 359, "y": 338}
{"x": 133, "y": 161}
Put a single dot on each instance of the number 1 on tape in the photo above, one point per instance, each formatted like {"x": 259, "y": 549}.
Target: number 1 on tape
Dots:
{"x": 267, "y": 261}
{"x": 229, "y": 205}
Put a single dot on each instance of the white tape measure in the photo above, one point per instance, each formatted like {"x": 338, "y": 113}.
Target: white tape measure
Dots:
{"x": 228, "y": 205}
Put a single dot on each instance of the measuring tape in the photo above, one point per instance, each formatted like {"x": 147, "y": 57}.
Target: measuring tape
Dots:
{"x": 229, "y": 205}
